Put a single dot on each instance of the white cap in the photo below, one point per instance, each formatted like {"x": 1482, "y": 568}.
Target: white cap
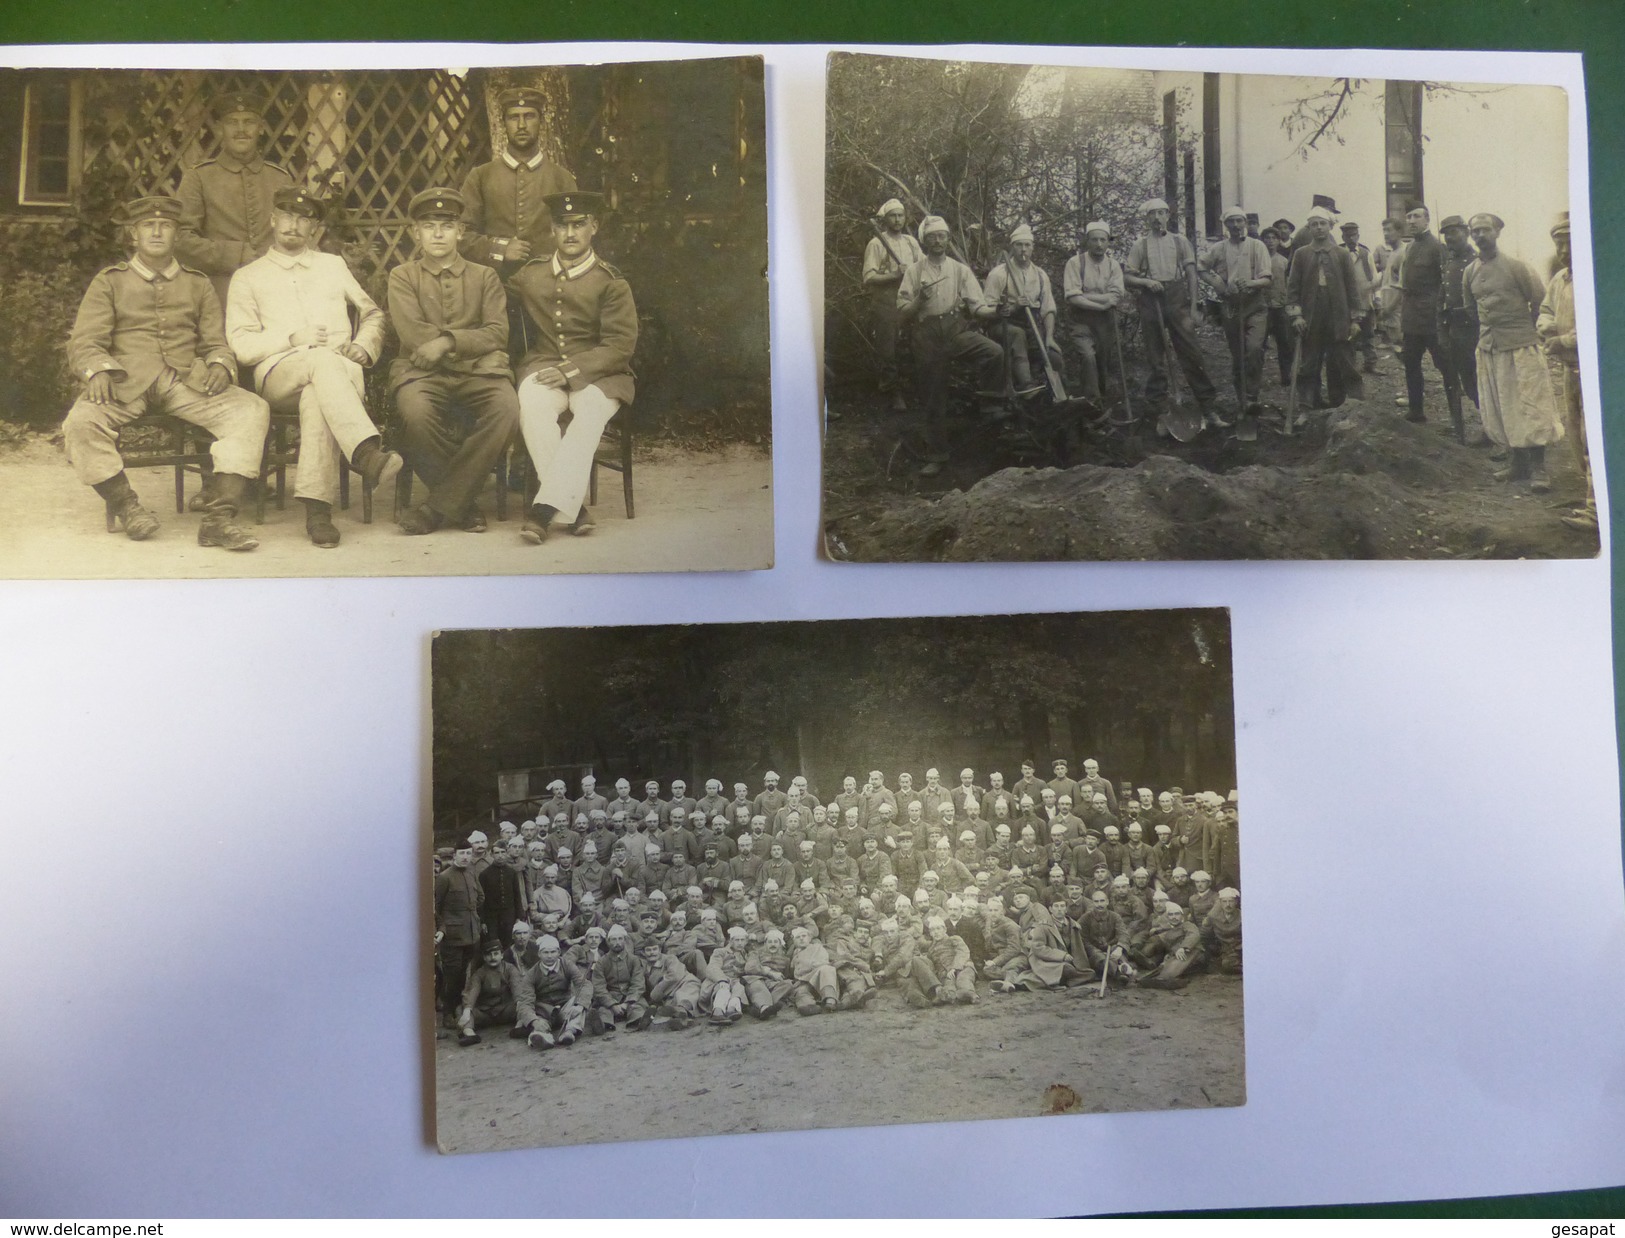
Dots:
{"x": 888, "y": 206}
{"x": 932, "y": 223}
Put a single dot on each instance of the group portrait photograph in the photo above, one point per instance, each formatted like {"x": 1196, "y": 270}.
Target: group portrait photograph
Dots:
{"x": 360, "y": 321}
{"x": 718, "y": 878}
{"x": 1091, "y": 313}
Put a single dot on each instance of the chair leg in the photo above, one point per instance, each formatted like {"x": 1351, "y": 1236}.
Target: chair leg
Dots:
{"x": 592, "y": 484}
{"x": 366, "y": 499}
{"x": 344, "y": 490}
{"x": 626, "y": 469}
{"x": 502, "y": 483}
{"x": 180, "y": 470}
{"x": 403, "y": 490}
{"x": 281, "y": 468}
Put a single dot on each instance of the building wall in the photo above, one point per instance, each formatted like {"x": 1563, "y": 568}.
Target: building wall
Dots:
{"x": 1501, "y": 149}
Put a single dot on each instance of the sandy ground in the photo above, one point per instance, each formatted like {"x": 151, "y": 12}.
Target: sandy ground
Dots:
{"x": 1358, "y": 482}
{"x": 1134, "y": 1050}
{"x": 52, "y": 527}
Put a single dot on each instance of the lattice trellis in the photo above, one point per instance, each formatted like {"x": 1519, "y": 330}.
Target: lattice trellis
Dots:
{"x": 366, "y": 139}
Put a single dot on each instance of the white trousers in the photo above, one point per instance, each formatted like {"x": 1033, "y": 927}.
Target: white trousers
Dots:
{"x": 332, "y": 416}
{"x": 563, "y": 458}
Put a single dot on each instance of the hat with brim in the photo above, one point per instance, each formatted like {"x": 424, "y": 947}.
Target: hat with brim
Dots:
{"x": 238, "y": 101}
{"x": 298, "y": 201}
{"x": 1451, "y": 221}
{"x": 439, "y": 202}
{"x": 521, "y": 96}
{"x": 1561, "y": 227}
{"x": 574, "y": 204}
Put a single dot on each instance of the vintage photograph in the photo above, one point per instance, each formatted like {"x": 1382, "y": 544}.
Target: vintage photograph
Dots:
{"x": 707, "y": 879}
{"x": 359, "y": 322}
{"x": 1086, "y": 313}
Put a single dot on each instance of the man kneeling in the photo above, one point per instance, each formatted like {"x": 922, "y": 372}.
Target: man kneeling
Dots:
{"x": 580, "y": 361}
{"x": 149, "y": 336}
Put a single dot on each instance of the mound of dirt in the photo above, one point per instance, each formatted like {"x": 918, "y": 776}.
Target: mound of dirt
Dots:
{"x": 1380, "y": 487}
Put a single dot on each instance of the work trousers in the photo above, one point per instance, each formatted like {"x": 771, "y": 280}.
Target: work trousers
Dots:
{"x": 552, "y": 1019}
{"x": 823, "y": 985}
{"x": 1019, "y": 343}
{"x": 610, "y": 1010}
{"x": 1278, "y": 327}
{"x": 333, "y": 420}
{"x": 1093, "y": 336}
{"x": 454, "y": 429}
{"x": 1319, "y": 351}
{"x": 454, "y": 964}
{"x": 238, "y": 420}
{"x": 1245, "y": 323}
{"x": 885, "y": 323}
{"x": 562, "y": 455}
{"x": 1458, "y": 346}
{"x": 1414, "y": 345}
{"x": 1177, "y": 327}
{"x": 939, "y": 342}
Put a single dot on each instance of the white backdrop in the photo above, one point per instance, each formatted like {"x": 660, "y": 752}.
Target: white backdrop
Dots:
{"x": 213, "y": 798}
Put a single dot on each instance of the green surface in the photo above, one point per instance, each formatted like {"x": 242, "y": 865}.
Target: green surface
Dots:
{"x": 1594, "y": 27}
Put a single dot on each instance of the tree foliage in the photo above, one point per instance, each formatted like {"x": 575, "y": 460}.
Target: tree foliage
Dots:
{"x": 1148, "y": 693}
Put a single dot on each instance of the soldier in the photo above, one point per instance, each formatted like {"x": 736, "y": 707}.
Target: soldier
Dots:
{"x": 1242, "y": 269}
{"x": 1365, "y": 269}
{"x": 1422, "y": 272}
{"x": 885, "y": 258}
{"x": 506, "y": 199}
{"x": 452, "y": 384}
{"x": 288, "y": 316}
{"x": 1161, "y": 267}
{"x": 1324, "y": 309}
{"x": 1458, "y": 331}
{"x": 226, "y": 201}
{"x": 1559, "y": 338}
{"x": 1092, "y": 286}
{"x": 459, "y": 901}
{"x": 1516, "y": 392}
{"x": 488, "y": 997}
{"x": 1017, "y": 290}
{"x": 149, "y": 336}
{"x": 586, "y": 329}
{"x": 935, "y": 297}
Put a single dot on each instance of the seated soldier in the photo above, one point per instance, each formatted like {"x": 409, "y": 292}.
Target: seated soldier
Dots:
{"x": 674, "y": 991}
{"x": 1221, "y": 932}
{"x": 1041, "y": 962}
{"x": 768, "y": 982}
{"x": 1103, "y": 935}
{"x": 722, "y": 981}
{"x": 1174, "y": 951}
{"x": 950, "y": 964}
{"x": 1203, "y": 897}
{"x": 452, "y": 384}
{"x": 150, "y": 337}
{"x": 817, "y": 985}
{"x": 580, "y": 362}
{"x": 288, "y": 316}
{"x": 619, "y": 983}
{"x": 553, "y": 997}
{"x": 488, "y": 995}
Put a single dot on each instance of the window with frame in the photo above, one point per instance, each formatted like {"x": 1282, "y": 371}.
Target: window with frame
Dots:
{"x": 49, "y": 168}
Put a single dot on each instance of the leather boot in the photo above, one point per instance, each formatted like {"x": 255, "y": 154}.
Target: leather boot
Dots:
{"x": 319, "y": 524}
{"x": 1539, "y": 480}
{"x": 218, "y": 528}
{"x": 124, "y": 508}
{"x": 1457, "y": 424}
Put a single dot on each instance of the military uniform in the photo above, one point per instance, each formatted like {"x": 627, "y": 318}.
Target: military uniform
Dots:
{"x": 464, "y": 301}
{"x": 506, "y": 200}
{"x": 586, "y": 325}
{"x": 226, "y": 215}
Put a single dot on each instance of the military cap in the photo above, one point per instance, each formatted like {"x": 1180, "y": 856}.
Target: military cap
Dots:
{"x": 157, "y": 207}
{"x": 1495, "y": 221}
{"x": 521, "y": 96}
{"x": 1561, "y": 227}
{"x": 573, "y": 204}
{"x": 1022, "y": 233}
{"x": 1348, "y": 225}
{"x": 1235, "y": 212}
{"x": 1153, "y": 204}
{"x": 1452, "y": 221}
{"x": 299, "y": 201}
{"x": 1105, "y": 230}
{"x": 932, "y": 223}
{"x": 1321, "y": 200}
{"x": 890, "y": 205}
{"x": 440, "y": 202}
{"x": 238, "y": 101}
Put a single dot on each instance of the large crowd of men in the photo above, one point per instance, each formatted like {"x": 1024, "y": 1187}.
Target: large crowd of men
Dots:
{"x": 597, "y": 914}
{"x": 228, "y": 310}
{"x": 1497, "y": 334}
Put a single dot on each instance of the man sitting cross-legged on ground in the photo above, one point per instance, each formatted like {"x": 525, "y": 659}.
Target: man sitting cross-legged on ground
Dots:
{"x": 149, "y": 337}
{"x": 288, "y": 316}
{"x": 580, "y": 361}
{"x": 452, "y": 385}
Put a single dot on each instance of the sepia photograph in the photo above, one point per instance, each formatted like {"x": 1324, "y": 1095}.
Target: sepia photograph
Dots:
{"x": 364, "y": 322}
{"x": 1107, "y": 314}
{"x": 725, "y": 878}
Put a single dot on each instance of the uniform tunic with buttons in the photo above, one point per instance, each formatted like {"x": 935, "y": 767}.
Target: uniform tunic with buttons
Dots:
{"x": 505, "y": 203}
{"x": 586, "y": 324}
{"x": 226, "y": 215}
{"x": 134, "y": 322}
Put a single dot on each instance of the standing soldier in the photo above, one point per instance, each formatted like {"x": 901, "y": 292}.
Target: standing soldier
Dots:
{"x": 1366, "y": 270}
{"x": 1422, "y": 272}
{"x": 506, "y": 200}
{"x": 1323, "y": 306}
{"x": 936, "y": 295}
{"x": 1517, "y": 406}
{"x": 1161, "y": 267}
{"x": 452, "y": 319}
{"x": 1458, "y": 330}
{"x": 885, "y": 258}
{"x": 1016, "y": 298}
{"x": 580, "y": 359}
{"x": 1092, "y": 286}
{"x": 1556, "y": 329}
{"x": 1241, "y": 266}
{"x": 149, "y": 336}
{"x": 226, "y": 201}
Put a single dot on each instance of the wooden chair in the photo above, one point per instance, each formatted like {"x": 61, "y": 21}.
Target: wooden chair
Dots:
{"x": 403, "y": 483}
{"x": 618, "y": 457}
{"x": 278, "y": 455}
{"x": 184, "y": 446}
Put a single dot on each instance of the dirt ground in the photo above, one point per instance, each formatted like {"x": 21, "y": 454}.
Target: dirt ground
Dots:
{"x": 1357, "y": 482}
{"x": 695, "y": 512}
{"x": 1135, "y": 1050}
